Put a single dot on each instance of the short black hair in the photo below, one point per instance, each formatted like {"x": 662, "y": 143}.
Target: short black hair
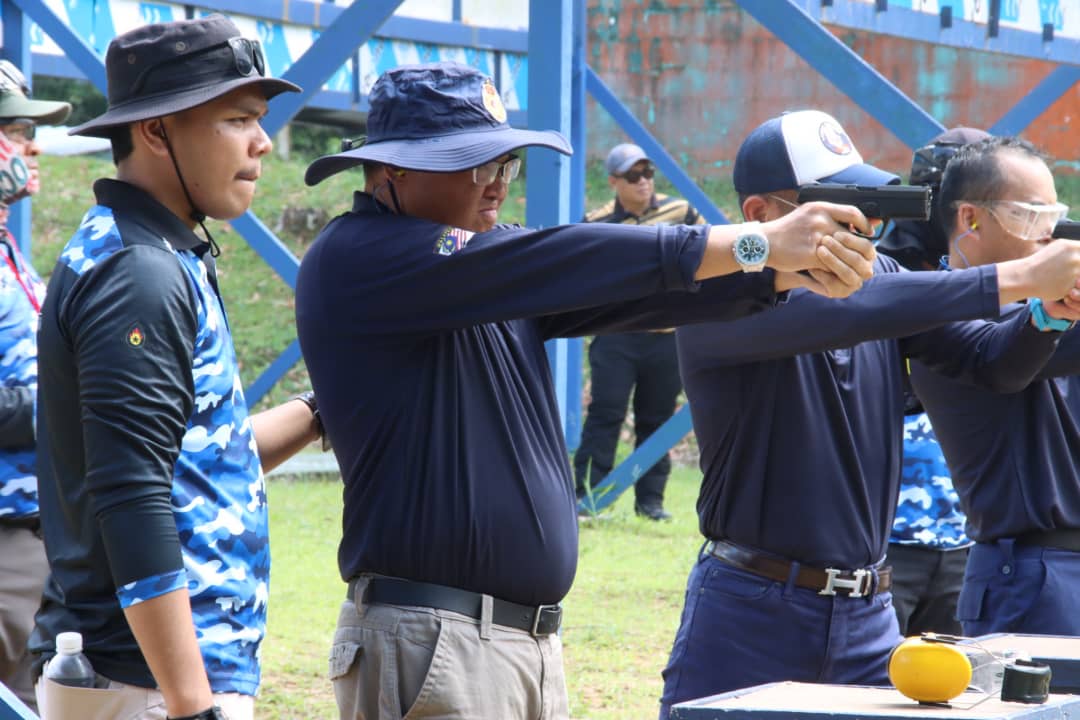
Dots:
{"x": 974, "y": 175}
{"x": 122, "y": 144}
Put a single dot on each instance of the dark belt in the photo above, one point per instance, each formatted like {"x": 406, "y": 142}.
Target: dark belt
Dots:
{"x": 537, "y": 620}
{"x": 830, "y": 581}
{"x": 1064, "y": 539}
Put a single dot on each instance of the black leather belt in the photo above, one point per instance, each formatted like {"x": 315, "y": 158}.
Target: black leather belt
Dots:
{"x": 1064, "y": 539}
{"x": 828, "y": 581}
{"x": 539, "y": 620}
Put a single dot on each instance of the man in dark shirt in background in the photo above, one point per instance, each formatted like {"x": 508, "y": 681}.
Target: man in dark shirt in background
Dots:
{"x": 153, "y": 500}
{"x": 1015, "y": 457}
{"x": 798, "y": 411}
{"x": 928, "y": 545}
{"x": 423, "y": 323}
{"x": 643, "y": 363}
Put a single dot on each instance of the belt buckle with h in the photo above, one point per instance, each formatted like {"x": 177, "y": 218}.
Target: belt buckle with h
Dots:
{"x": 857, "y": 586}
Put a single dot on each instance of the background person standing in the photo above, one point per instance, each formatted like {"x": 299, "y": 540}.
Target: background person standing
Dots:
{"x": 23, "y": 565}
{"x": 643, "y": 363}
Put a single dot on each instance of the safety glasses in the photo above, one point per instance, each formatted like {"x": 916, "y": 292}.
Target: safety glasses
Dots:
{"x": 1027, "y": 221}
{"x": 634, "y": 176}
{"x": 488, "y": 172}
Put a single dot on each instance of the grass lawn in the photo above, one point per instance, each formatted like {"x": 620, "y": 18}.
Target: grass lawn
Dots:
{"x": 620, "y": 616}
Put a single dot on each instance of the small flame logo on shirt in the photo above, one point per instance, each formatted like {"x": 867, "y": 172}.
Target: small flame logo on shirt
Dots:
{"x": 135, "y": 337}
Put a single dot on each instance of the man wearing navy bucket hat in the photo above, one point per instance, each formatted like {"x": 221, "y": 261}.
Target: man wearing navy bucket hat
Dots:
{"x": 423, "y": 322}
{"x": 153, "y": 503}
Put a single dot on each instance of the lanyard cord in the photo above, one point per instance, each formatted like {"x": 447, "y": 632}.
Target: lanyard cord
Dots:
{"x": 15, "y": 269}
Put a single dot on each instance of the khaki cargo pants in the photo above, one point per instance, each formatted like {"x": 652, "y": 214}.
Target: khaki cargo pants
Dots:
{"x": 390, "y": 662}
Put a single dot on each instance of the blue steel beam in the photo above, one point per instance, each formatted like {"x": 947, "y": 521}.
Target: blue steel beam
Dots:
{"x": 1042, "y": 96}
{"x": 267, "y": 245}
{"x": 321, "y": 14}
{"x": 656, "y": 152}
{"x": 273, "y": 373}
{"x": 926, "y": 27}
{"x": 332, "y": 48}
{"x": 547, "y": 182}
{"x": 74, "y": 47}
{"x": 839, "y": 64}
{"x": 17, "y": 50}
{"x": 644, "y": 457}
{"x": 578, "y": 139}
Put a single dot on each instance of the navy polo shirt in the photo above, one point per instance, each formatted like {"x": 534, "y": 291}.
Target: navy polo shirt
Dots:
{"x": 425, "y": 346}
{"x": 799, "y": 411}
{"x": 1015, "y": 457}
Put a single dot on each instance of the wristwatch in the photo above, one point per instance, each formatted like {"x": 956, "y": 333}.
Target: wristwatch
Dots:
{"x": 308, "y": 398}
{"x": 751, "y": 247}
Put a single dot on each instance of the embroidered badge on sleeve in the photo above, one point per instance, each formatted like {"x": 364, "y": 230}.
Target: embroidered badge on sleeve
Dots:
{"x": 452, "y": 240}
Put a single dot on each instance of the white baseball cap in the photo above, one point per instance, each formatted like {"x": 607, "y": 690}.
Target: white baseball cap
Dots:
{"x": 799, "y": 148}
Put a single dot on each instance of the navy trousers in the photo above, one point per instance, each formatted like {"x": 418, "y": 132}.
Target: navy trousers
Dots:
{"x": 739, "y": 629}
{"x": 1020, "y": 589}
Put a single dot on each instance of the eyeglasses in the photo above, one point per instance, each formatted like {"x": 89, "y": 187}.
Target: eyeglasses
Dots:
{"x": 248, "y": 56}
{"x": 1027, "y": 221}
{"x": 488, "y": 172}
{"x": 634, "y": 176}
{"x": 12, "y": 79}
{"x": 21, "y": 130}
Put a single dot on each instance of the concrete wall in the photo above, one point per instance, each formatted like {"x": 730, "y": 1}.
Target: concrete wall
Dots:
{"x": 702, "y": 74}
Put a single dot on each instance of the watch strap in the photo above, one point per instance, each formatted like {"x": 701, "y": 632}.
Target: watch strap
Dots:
{"x": 1044, "y": 322}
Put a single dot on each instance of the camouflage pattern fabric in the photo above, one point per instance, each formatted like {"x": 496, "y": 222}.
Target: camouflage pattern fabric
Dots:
{"x": 928, "y": 512}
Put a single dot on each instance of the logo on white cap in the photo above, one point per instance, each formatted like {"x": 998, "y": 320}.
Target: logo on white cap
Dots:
{"x": 817, "y": 146}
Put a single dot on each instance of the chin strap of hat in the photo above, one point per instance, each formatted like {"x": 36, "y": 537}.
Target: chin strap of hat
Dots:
{"x": 196, "y": 214}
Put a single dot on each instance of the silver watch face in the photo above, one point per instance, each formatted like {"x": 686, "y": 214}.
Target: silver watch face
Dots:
{"x": 751, "y": 249}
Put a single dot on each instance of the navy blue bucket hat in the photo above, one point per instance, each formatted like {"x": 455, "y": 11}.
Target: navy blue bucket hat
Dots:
{"x": 436, "y": 117}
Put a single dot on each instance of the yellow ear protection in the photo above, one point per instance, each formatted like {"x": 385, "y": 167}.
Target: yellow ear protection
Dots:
{"x": 934, "y": 669}
{"x": 399, "y": 173}
{"x": 974, "y": 225}
{"x": 929, "y": 672}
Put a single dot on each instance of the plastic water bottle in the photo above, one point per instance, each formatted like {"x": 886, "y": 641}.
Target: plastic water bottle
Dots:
{"x": 69, "y": 666}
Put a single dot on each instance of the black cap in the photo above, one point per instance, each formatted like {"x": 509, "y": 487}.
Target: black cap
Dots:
{"x": 165, "y": 68}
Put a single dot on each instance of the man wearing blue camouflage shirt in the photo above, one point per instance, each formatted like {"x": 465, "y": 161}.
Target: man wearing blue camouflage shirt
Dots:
{"x": 153, "y": 502}
{"x": 927, "y": 548}
{"x": 23, "y": 566}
